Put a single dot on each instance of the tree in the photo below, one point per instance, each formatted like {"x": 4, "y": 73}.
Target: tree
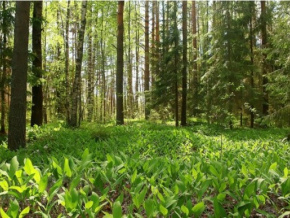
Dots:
{"x": 76, "y": 92}
{"x": 146, "y": 70}
{"x": 17, "y": 115}
{"x": 120, "y": 65}
{"x": 37, "y": 96}
{"x": 184, "y": 67}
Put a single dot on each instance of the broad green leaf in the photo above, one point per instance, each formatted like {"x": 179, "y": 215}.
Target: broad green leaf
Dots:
{"x": 24, "y": 212}
{"x": 163, "y": 210}
{"x": 117, "y": 210}
{"x": 273, "y": 166}
{"x": 28, "y": 167}
{"x": 89, "y": 204}
{"x": 149, "y": 207}
{"x": 219, "y": 211}
{"x": 66, "y": 168}
{"x": 184, "y": 209}
{"x": 13, "y": 166}
{"x": 3, "y": 214}
{"x": 286, "y": 171}
{"x": 4, "y": 185}
{"x": 13, "y": 209}
{"x": 198, "y": 209}
{"x": 133, "y": 178}
{"x": 43, "y": 183}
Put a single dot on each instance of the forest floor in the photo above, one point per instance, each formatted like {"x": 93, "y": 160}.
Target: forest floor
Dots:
{"x": 147, "y": 170}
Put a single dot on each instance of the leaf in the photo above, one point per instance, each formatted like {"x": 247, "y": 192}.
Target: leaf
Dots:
{"x": 24, "y": 212}
{"x": 86, "y": 154}
{"x": 198, "y": 209}
{"x": 4, "y": 185}
{"x": 117, "y": 210}
{"x": 163, "y": 210}
{"x": 286, "y": 172}
{"x": 3, "y": 214}
{"x": 89, "y": 204}
{"x": 285, "y": 214}
{"x": 185, "y": 210}
{"x": 133, "y": 178}
{"x": 273, "y": 166}
{"x": 13, "y": 209}
{"x": 149, "y": 207}
{"x": 66, "y": 168}
{"x": 28, "y": 167}
{"x": 13, "y": 166}
{"x": 43, "y": 183}
{"x": 219, "y": 211}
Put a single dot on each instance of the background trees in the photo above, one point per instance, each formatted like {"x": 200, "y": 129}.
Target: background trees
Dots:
{"x": 227, "y": 60}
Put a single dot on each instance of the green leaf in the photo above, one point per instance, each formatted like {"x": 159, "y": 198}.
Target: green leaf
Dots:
{"x": 198, "y": 209}
{"x": 285, "y": 214}
{"x": 3, "y": 214}
{"x": 13, "y": 209}
{"x": 219, "y": 211}
{"x": 286, "y": 172}
{"x": 43, "y": 183}
{"x": 185, "y": 210}
{"x": 66, "y": 168}
{"x": 133, "y": 178}
{"x": 117, "y": 210}
{"x": 89, "y": 204}
{"x": 149, "y": 207}
{"x": 4, "y": 185}
{"x": 86, "y": 154}
{"x": 13, "y": 166}
{"x": 28, "y": 167}
{"x": 163, "y": 210}
{"x": 273, "y": 166}
{"x": 24, "y": 212}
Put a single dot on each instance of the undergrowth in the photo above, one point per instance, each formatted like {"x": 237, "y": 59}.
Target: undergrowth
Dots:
{"x": 146, "y": 170}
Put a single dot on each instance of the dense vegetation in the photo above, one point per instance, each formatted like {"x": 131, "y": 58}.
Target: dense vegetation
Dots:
{"x": 73, "y": 68}
{"x": 145, "y": 169}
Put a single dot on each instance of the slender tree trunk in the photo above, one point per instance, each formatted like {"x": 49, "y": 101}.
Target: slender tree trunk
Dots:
{"x": 130, "y": 79}
{"x": 77, "y": 80}
{"x": 37, "y": 96}
{"x": 176, "y": 64}
{"x": 120, "y": 64}
{"x": 146, "y": 71}
{"x": 66, "y": 67}
{"x": 184, "y": 69}
{"x": 153, "y": 52}
{"x": 17, "y": 115}
{"x": 137, "y": 60}
{"x": 157, "y": 40}
{"x": 264, "y": 64}
{"x": 252, "y": 114}
{"x": 3, "y": 79}
{"x": 194, "y": 42}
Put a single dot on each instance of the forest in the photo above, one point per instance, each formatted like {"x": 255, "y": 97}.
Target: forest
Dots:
{"x": 144, "y": 109}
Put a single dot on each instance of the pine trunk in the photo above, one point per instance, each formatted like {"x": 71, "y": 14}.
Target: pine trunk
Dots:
{"x": 17, "y": 115}
{"x": 184, "y": 69}
{"x": 146, "y": 71}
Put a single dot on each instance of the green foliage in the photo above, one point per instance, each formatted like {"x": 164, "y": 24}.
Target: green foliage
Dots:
{"x": 147, "y": 170}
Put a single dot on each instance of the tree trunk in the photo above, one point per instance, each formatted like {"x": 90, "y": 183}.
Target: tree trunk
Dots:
{"x": 17, "y": 115}
{"x": 264, "y": 64}
{"x": 194, "y": 43}
{"x": 66, "y": 68}
{"x": 77, "y": 80}
{"x": 37, "y": 95}
{"x": 252, "y": 114}
{"x": 3, "y": 79}
{"x": 146, "y": 71}
{"x": 120, "y": 65}
{"x": 176, "y": 63}
{"x": 184, "y": 69}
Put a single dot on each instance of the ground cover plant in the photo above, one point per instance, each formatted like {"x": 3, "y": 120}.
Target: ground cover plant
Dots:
{"x": 146, "y": 170}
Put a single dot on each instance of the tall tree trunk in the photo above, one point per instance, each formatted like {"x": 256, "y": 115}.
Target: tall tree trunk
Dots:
{"x": 137, "y": 60}
{"x": 157, "y": 40}
{"x": 153, "y": 53}
{"x": 184, "y": 69}
{"x": 120, "y": 65}
{"x": 130, "y": 79}
{"x": 252, "y": 114}
{"x": 17, "y": 115}
{"x": 90, "y": 67}
{"x": 264, "y": 64}
{"x": 66, "y": 66}
{"x": 146, "y": 70}
{"x": 176, "y": 63}
{"x": 3, "y": 79}
{"x": 79, "y": 57}
{"x": 194, "y": 43}
{"x": 37, "y": 96}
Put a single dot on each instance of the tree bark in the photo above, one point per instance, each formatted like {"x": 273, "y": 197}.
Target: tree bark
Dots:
{"x": 184, "y": 69}
{"x": 37, "y": 95}
{"x": 194, "y": 43}
{"x": 120, "y": 65}
{"x": 264, "y": 64}
{"x": 77, "y": 80}
{"x": 66, "y": 68}
{"x": 146, "y": 70}
{"x": 17, "y": 115}
{"x": 3, "y": 79}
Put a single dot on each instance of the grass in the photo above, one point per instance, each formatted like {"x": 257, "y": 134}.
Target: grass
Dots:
{"x": 149, "y": 170}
